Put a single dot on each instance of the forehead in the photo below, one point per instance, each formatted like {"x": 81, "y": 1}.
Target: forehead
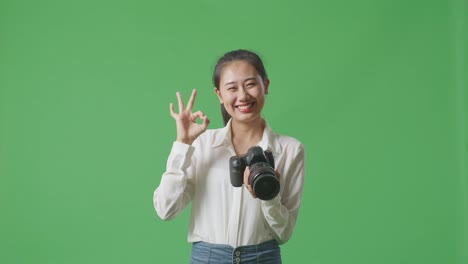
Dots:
{"x": 237, "y": 71}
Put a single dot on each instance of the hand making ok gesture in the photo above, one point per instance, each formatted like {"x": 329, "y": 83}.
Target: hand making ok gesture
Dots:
{"x": 187, "y": 127}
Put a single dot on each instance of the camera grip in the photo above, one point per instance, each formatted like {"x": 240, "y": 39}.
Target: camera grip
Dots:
{"x": 236, "y": 170}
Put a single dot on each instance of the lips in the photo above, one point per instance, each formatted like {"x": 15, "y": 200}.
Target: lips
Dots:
{"x": 244, "y": 108}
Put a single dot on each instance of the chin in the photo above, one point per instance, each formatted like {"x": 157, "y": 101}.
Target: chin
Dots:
{"x": 246, "y": 118}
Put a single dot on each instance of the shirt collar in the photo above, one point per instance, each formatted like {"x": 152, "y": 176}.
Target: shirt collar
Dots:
{"x": 269, "y": 139}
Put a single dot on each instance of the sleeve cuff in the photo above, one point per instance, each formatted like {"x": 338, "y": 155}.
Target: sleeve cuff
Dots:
{"x": 179, "y": 147}
{"x": 273, "y": 202}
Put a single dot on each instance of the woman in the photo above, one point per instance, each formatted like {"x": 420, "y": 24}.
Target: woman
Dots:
{"x": 228, "y": 224}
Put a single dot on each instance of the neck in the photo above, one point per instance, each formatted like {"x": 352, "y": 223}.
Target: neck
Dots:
{"x": 246, "y": 135}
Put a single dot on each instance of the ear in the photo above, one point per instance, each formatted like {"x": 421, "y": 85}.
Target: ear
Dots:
{"x": 218, "y": 93}
{"x": 267, "y": 84}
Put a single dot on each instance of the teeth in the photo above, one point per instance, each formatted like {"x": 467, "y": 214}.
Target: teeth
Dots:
{"x": 243, "y": 107}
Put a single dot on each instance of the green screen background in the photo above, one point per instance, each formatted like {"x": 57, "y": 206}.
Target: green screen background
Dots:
{"x": 376, "y": 91}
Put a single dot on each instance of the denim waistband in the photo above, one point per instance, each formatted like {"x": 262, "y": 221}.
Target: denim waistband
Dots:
{"x": 264, "y": 245}
{"x": 266, "y": 252}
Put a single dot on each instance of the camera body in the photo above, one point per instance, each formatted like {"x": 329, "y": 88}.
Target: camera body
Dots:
{"x": 262, "y": 178}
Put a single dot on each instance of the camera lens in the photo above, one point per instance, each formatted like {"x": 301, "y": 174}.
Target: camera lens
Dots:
{"x": 264, "y": 181}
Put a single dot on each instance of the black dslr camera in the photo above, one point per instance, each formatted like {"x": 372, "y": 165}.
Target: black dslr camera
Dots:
{"x": 262, "y": 176}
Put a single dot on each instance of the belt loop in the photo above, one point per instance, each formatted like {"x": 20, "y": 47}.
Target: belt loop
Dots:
{"x": 209, "y": 251}
{"x": 256, "y": 253}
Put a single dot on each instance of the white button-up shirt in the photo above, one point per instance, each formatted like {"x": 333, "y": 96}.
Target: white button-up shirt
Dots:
{"x": 221, "y": 213}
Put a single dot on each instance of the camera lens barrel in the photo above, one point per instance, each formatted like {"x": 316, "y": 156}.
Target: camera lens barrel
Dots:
{"x": 264, "y": 181}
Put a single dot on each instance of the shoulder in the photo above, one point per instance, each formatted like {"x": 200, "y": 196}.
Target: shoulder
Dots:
{"x": 290, "y": 143}
{"x": 286, "y": 143}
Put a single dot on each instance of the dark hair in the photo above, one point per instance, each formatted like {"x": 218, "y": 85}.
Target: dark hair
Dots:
{"x": 237, "y": 55}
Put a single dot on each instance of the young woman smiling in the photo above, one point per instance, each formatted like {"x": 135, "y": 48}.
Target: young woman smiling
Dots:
{"x": 228, "y": 224}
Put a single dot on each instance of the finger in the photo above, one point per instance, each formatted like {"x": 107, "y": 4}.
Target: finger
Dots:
{"x": 171, "y": 109}
{"x": 246, "y": 181}
{"x": 277, "y": 174}
{"x": 181, "y": 103}
{"x": 251, "y": 191}
{"x": 191, "y": 100}
{"x": 205, "y": 123}
{"x": 203, "y": 117}
{"x": 198, "y": 114}
{"x": 246, "y": 176}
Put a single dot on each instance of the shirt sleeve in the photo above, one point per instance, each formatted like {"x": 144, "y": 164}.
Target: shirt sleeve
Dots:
{"x": 176, "y": 188}
{"x": 281, "y": 212}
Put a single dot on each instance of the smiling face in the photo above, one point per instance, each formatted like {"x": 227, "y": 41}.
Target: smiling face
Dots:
{"x": 242, "y": 91}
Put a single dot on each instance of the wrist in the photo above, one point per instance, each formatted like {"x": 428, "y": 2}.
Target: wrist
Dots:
{"x": 185, "y": 141}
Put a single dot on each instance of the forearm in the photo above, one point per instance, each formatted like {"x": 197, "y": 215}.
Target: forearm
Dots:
{"x": 176, "y": 187}
{"x": 281, "y": 212}
{"x": 280, "y": 220}
{"x": 169, "y": 198}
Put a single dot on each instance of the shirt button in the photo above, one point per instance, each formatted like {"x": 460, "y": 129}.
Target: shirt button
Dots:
{"x": 237, "y": 253}
{"x": 238, "y": 260}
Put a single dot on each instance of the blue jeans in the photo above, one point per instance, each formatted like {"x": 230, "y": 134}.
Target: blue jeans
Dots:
{"x": 265, "y": 253}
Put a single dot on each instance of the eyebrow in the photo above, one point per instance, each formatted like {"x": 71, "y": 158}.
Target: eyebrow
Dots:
{"x": 248, "y": 79}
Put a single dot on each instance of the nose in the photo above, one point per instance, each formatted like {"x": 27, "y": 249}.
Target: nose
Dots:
{"x": 244, "y": 94}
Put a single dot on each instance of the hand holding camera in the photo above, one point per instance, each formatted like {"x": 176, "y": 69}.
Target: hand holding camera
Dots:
{"x": 246, "y": 180}
{"x": 256, "y": 168}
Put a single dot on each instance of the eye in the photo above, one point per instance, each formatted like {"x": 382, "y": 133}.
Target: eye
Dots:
{"x": 250, "y": 84}
{"x": 231, "y": 88}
